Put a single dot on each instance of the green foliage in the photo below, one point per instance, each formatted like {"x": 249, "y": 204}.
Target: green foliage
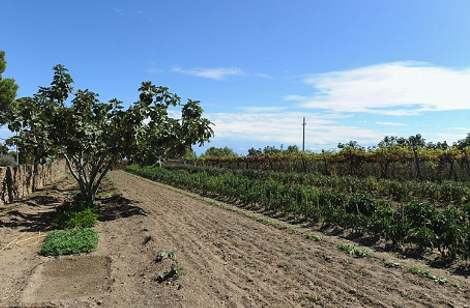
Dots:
{"x": 66, "y": 242}
{"x": 397, "y": 190}
{"x": 353, "y": 250}
{"x": 176, "y": 269}
{"x": 463, "y": 143}
{"x": 416, "y": 224}
{"x": 6, "y": 160}
{"x": 8, "y": 89}
{"x": 79, "y": 214}
{"x": 427, "y": 274}
{"x": 456, "y": 285}
{"x": 390, "y": 263}
{"x": 91, "y": 135}
{"x": 393, "y": 158}
{"x": 312, "y": 236}
{"x": 219, "y": 152}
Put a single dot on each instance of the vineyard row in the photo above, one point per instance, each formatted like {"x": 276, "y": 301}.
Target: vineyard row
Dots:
{"x": 400, "y": 163}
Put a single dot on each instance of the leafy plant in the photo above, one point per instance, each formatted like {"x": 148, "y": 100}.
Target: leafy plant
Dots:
{"x": 390, "y": 263}
{"x": 6, "y": 160}
{"x": 175, "y": 271}
{"x": 353, "y": 250}
{"x": 312, "y": 236}
{"x": 417, "y": 224}
{"x": 66, "y": 242}
{"x": 427, "y": 274}
{"x": 79, "y": 214}
{"x": 456, "y": 285}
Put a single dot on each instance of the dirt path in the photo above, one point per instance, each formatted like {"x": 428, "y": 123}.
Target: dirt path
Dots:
{"x": 229, "y": 260}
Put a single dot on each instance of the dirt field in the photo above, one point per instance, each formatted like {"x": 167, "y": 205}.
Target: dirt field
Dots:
{"x": 228, "y": 260}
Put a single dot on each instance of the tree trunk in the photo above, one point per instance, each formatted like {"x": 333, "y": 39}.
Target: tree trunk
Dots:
{"x": 384, "y": 165}
{"x": 418, "y": 170}
{"x": 325, "y": 163}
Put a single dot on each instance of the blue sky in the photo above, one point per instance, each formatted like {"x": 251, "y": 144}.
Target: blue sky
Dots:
{"x": 357, "y": 70}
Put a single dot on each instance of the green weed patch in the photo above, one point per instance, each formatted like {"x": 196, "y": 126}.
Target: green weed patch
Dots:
{"x": 75, "y": 216}
{"x": 66, "y": 242}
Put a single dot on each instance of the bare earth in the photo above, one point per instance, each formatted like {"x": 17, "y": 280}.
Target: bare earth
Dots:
{"x": 228, "y": 260}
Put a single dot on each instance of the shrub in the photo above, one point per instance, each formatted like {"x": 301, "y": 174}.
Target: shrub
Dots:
{"x": 76, "y": 215}
{"x": 66, "y": 242}
{"x": 6, "y": 160}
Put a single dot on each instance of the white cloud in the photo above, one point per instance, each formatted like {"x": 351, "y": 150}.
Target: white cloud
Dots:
{"x": 450, "y": 138}
{"x": 321, "y": 130}
{"x": 391, "y": 124}
{"x": 117, "y": 10}
{"x": 211, "y": 73}
{"x": 400, "y": 88}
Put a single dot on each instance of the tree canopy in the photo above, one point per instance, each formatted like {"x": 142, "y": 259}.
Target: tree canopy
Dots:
{"x": 92, "y": 135}
{"x": 220, "y": 152}
{"x": 8, "y": 89}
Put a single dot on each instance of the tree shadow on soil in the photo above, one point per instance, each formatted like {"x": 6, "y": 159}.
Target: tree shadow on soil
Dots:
{"x": 37, "y": 221}
{"x": 463, "y": 270}
{"x": 119, "y": 207}
{"x": 457, "y": 267}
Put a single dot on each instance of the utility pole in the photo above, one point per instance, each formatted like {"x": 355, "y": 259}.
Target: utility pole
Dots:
{"x": 303, "y": 135}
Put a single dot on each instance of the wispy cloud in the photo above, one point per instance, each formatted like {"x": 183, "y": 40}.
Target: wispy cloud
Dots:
{"x": 211, "y": 73}
{"x": 117, "y": 10}
{"x": 465, "y": 129}
{"x": 262, "y": 109}
{"x": 153, "y": 68}
{"x": 261, "y": 75}
{"x": 400, "y": 88}
{"x": 391, "y": 124}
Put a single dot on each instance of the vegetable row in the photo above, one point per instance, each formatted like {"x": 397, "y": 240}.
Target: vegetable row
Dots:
{"x": 413, "y": 224}
{"x": 445, "y": 191}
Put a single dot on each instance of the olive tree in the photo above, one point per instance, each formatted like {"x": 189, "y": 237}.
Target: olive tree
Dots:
{"x": 92, "y": 135}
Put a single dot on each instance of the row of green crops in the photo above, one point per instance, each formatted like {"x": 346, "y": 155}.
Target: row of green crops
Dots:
{"x": 417, "y": 225}
{"x": 399, "y": 163}
{"x": 445, "y": 191}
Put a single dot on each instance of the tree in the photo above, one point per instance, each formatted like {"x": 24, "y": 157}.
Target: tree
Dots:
{"x": 91, "y": 135}
{"x": 354, "y": 153}
{"x": 8, "y": 89}
{"x": 254, "y": 152}
{"x": 386, "y": 146}
{"x": 271, "y": 150}
{"x": 292, "y": 149}
{"x": 30, "y": 118}
{"x": 3, "y": 149}
{"x": 415, "y": 143}
{"x": 463, "y": 143}
{"x": 464, "y": 146}
{"x": 220, "y": 152}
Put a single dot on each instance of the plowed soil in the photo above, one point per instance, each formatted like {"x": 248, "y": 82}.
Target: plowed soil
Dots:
{"x": 226, "y": 260}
